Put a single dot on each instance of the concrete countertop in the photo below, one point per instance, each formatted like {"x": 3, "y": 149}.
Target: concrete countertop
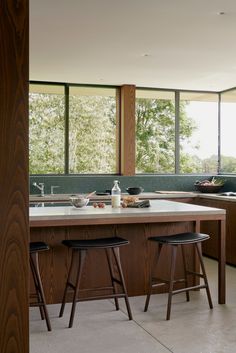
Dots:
{"x": 159, "y": 208}
{"x": 144, "y": 195}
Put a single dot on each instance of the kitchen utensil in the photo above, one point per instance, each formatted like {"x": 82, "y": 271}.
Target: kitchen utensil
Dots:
{"x": 90, "y": 194}
{"x": 134, "y": 190}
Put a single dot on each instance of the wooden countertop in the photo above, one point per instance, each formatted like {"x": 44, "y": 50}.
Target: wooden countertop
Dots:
{"x": 160, "y": 211}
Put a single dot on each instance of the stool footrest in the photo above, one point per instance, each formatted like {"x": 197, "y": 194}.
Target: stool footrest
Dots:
{"x": 92, "y": 289}
{"x": 200, "y": 286}
{"x": 107, "y": 296}
{"x": 165, "y": 281}
{"x": 195, "y": 274}
{"x": 37, "y": 304}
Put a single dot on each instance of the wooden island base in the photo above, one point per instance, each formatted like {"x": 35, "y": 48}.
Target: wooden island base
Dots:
{"x": 52, "y": 225}
{"x": 136, "y": 258}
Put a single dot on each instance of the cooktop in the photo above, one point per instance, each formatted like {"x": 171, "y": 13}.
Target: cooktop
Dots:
{"x": 228, "y": 193}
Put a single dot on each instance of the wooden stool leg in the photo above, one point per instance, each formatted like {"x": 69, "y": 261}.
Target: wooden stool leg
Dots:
{"x": 155, "y": 265}
{"x": 199, "y": 251}
{"x": 82, "y": 257}
{"x": 34, "y": 258}
{"x": 185, "y": 272}
{"x": 67, "y": 284}
{"x": 116, "y": 253}
{"x": 36, "y": 285}
{"x": 114, "y": 285}
{"x": 172, "y": 273}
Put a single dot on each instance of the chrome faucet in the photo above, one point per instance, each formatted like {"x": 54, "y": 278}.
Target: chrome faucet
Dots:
{"x": 52, "y": 188}
{"x": 40, "y": 186}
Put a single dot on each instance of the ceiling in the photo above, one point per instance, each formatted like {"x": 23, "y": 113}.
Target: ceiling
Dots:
{"x": 181, "y": 44}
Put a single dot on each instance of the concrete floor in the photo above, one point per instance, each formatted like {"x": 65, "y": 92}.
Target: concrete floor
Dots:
{"x": 193, "y": 327}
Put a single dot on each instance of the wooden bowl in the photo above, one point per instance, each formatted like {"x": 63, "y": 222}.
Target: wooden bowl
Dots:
{"x": 208, "y": 189}
{"x": 134, "y": 190}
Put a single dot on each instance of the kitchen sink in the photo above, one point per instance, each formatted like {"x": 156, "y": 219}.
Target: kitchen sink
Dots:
{"x": 49, "y": 204}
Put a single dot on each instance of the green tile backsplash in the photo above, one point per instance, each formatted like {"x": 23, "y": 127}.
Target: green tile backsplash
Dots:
{"x": 83, "y": 184}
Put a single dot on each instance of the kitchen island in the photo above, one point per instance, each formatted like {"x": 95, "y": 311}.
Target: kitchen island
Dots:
{"x": 53, "y": 224}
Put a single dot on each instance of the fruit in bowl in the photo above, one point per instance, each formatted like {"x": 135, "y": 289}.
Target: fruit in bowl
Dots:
{"x": 79, "y": 202}
{"x": 210, "y": 186}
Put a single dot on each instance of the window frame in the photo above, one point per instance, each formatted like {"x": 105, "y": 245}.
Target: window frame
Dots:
{"x": 66, "y": 124}
{"x": 125, "y": 117}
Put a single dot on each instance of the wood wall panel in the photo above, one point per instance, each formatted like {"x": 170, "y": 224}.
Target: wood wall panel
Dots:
{"x": 127, "y": 122}
{"x": 210, "y": 247}
{"x": 14, "y": 231}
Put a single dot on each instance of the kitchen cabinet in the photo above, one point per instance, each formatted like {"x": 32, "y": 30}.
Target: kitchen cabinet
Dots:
{"x": 210, "y": 247}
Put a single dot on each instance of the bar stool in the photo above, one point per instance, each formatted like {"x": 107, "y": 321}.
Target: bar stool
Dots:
{"x": 174, "y": 241}
{"x": 80, "y": 248}
{"x": 35, "y": 248}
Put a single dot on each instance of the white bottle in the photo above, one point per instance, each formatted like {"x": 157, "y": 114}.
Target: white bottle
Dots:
{"x": 115, "y": 195}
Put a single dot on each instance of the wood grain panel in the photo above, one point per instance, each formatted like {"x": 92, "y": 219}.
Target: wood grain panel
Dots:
{"x": 210, "y": 248}
{"x": 14, "y": 233}
{"x": 127, "y": 111}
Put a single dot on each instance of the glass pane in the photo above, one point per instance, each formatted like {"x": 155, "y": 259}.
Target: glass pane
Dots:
{"x": 155, "y": 131}
{"x": 92, "y": 130}
{"x": 198, "y": 132}
{"x": 228, "y": 128}
{"x": 46, "y": 129}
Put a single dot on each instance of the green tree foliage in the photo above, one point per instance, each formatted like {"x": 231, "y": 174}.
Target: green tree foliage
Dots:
{"x": 155, "y": 136}
{"x": 92, "y": 134}
{"x": 155, "y": 131}
{"x": 46, "y": 133}
{"x": 228, "y": 164}
{"x": 92, "y": 137}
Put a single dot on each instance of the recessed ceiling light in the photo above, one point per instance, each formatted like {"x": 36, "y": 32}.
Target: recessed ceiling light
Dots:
{"x": 145, "y": 55}
{"x": 221, "y": 13}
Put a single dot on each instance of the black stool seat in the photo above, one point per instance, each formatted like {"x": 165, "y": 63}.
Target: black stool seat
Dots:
{"x": 182, "y": 238}
{"x": 176, "y": 241}
{"x": 96, "y": 243}
{"x": 38, "y": 246}
{"x": 117, "y": 288}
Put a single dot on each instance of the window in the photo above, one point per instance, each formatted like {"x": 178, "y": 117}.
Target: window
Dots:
{"x": 155, "y": 131}
{"x": 198, "y": 132}
{"x": 74, "y": 130}
{"x": 92, "y": 130}
{"x": 228, "y": 128}
{"x": 88, "y": 118}
{"x": 191, "y": 135}
{"x": 46, "y": 129}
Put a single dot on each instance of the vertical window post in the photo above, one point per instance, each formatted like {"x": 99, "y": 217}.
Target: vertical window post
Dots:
{"x": 66, "y": 129}
{"x": 219, "y": 135}
{"x": 127, "y": 120}
{"x": 177, "y": 145}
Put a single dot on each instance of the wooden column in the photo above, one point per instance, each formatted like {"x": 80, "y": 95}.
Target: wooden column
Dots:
{"x": 127, "y": 143}
{"x": 14, "y": 231}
